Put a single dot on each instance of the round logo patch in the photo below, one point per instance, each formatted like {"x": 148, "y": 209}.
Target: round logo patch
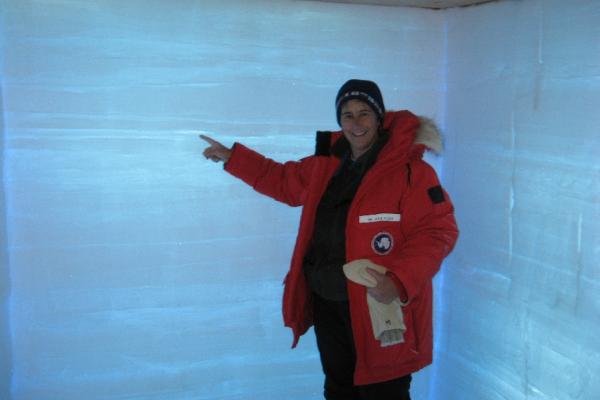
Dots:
{"x": 382, "y": 243}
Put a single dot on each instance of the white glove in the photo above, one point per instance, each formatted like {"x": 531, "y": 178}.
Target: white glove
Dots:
{"x": 356, "y": 271}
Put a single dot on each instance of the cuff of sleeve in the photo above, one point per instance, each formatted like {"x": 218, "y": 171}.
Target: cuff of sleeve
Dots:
{"x": 227, "y": 164}
{"x": 400, "y": 287}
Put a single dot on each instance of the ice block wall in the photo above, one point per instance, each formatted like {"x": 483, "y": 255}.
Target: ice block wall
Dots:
{"x": 521, "y": 293}
{"x": 5, "y": 342}
{"x": 139, "y": 269}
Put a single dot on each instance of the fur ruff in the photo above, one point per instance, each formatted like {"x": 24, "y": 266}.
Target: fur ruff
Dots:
{"x": 429, "y": 135}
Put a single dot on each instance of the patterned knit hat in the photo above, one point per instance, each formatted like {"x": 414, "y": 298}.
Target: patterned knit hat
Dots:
{"x": 366, "y": 91}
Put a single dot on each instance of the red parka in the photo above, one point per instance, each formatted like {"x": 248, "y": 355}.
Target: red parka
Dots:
{"x": 400, "y": 200}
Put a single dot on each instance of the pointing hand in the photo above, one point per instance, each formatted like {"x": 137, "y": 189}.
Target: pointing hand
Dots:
{"x": 216, "y": 151}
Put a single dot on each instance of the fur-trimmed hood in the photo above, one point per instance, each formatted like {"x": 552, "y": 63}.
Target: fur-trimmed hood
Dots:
{"x": 410, "y": 136}
{"x": 429, "y": 135}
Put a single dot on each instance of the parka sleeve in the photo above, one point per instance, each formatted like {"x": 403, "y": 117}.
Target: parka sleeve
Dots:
{"x": 429, "y": 228}
{"x": 284, "y": 182}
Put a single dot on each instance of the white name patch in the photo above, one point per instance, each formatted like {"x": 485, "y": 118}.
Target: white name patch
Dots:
{"x": 385, "y": 217}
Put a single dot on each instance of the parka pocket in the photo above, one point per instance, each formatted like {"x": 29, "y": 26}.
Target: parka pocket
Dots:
{"x": 379, "y": 357}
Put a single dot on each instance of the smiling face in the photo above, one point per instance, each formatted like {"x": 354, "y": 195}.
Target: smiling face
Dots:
{"x": 360, "y": 126}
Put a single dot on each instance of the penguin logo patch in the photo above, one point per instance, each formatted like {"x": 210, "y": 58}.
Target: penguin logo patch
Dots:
{"x": 382, "y": 243}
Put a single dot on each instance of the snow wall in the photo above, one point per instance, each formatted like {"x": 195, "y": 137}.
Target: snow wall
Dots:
{"x": 133, "y": 268}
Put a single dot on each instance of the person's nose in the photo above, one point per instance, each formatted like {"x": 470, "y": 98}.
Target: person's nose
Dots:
{"x": 356, "y": 124}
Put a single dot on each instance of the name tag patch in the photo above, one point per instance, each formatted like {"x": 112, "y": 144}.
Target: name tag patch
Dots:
{"x": 385, "y": 217}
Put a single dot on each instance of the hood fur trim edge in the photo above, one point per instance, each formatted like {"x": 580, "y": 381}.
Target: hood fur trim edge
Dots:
{"x": 429, "y": 135}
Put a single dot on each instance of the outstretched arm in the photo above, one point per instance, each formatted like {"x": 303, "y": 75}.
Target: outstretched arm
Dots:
{"x": 285, "y": 182}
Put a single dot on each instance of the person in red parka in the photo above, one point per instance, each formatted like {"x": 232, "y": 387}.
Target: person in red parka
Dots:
{"x": 376, "y": 225}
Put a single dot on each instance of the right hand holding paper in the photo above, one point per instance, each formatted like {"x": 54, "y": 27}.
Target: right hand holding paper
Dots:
{"x": 387, "y": 320}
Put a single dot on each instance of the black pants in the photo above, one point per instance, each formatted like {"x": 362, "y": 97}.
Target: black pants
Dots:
{"x": 338, "y": 357}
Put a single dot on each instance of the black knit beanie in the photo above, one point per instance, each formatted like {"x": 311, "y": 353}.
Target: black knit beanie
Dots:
{"x": 366, "y": 91}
